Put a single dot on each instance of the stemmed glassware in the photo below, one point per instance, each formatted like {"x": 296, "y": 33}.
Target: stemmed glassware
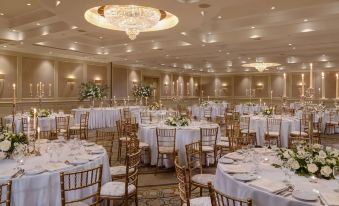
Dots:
{"x": 336, "y": 175}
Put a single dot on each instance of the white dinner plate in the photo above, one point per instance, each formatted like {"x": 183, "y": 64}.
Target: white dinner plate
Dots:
{"x": 305, "y": 195}
{"x": 88, "y": 144}
{"x": 34, "y": 171}
{"x": 78, "y": 161}
{"x": 245, "y": 177}
{"x": 226, "y": 161}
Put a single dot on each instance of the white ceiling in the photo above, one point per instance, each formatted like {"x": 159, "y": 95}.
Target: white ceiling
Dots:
{"x": 230, "y": 33}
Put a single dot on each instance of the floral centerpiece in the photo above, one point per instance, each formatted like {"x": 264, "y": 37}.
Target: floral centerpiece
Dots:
{"x": 154, "y": 106}
{"x": 177, "y": 121}
{"x": 311, "y": 160}
{"x": 92, "y": 91}
{"x": 10, "y": 142}
{"x": 268, "y": 112}
{"x": 204, "y": 104}
{"x": 141, "y": 91}
{"x": 40, "y": 112}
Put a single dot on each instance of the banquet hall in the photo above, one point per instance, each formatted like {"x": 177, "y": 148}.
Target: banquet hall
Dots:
{"x": 169, "y": 102}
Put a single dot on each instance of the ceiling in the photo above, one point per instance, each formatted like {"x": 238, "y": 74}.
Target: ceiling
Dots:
{"x": 217, "y": 39}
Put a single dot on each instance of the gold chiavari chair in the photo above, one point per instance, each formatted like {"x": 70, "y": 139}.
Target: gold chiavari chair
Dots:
{"x": 332, "y": 123}
{"x": 124, "y": 129}
{"x": 46, "y": 135}
{"x": 229, "y": 110}
{"x": 145, "y": 117}
{"x": 81, "y": 129}
{"x": 246, "y": 110}
{"x": 237, "y": 141}
{"x": 105, "y": 139}
{"x": 236, "y": 116}
{"x": 183, "y": 187}
{"x": 220, "y": 199}
{"x": 2, "y": 126}
{"x": 61, "y": 126}
{"x": 208, "y": 143}
{"x": 89, "y": 180}
{"x": 197, "y": 179}
{"x": 165, "y": 144}
{"x": 28, "y": 127}
{"x": 245, "y": 129}
{"x": 5, "y": 193}
{"x": 125, "y": 114}
{"x": 208, "y": 113}
{"x": 117, "y": 190}
{"x": 317, "y": 126}
{"x": 272, "y": 133}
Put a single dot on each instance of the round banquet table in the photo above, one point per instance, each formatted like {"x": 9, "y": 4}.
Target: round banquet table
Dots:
{"x": 157, "y": 115}
{"x": 325, "y": 115}
{"x": 241, "y": 108}
{"x": 184, "y": 135}
{"x": 44, "y": 189}
{"x": 258, "y": 123}
{"x": 103, "y": 117}
{"x": 226, "y": 183}
{"x": 218, "y": 109}
{"x": 45, "y": 123}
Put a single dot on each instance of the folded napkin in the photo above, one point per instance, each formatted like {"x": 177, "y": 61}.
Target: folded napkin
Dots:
{"x": 268, "y": 185}
{"x": 330, "y": 198}
{"x": 234, "y": 156}
{"x": 229, "y": 168}
{"x": 55, "y": 166}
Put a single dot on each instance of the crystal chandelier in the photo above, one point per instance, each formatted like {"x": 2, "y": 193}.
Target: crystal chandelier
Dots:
{"x": 131, "y": 18}
{"x": 261, "y": 66}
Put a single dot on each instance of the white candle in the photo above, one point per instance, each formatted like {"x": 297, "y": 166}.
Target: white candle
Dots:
{"x": 208, "y": 98}
{"x": 38, "y": 133}
{"x": 49, "y": 89}
{"x": 302, "y": 85}
{"x": 322, "y": 85}
{"x": 127, "y": 99}
{"x": 37, "y": 89}
{"x": 30, "y": 89}
{"x": 284, "y": 93}
{"x": 42, "y": 88}
{"x": 14, "y": 93}
{"x": 28, "y": 127}
{"x": 34, "y": 118}
{"x": 311, "y": 75}
{"x": 336, "y": 86}
{"x": 260, "y": 102}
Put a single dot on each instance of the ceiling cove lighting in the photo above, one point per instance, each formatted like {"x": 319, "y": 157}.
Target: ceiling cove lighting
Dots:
{"x": 131, "y": 19}
{"x": 261, "y": 66}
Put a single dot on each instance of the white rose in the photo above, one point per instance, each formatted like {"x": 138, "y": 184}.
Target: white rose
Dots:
{"x": 5, "y": 145}
{"x": 328, "y": 149}
{"x": 335, "y": 153}
{"x": 312, "y": 168}
{"x": 317, "y": 146}
{"x": 322, "y": 154}
{"x": 286, "y": 154}
{"x": 294, "y": 164}
{"x": 326, "y": 171}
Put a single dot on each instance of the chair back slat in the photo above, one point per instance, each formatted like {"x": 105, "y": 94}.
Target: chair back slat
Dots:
{"x": 182, "y": 182}
{"x": 220, "y": 199}
{"x": 208, "y": 136}
{"x": 166, "y": 137}
{"x": 106, "y": 139}
{"x": 5, "y": 193}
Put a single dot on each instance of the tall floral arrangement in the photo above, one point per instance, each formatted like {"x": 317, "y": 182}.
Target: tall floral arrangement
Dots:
{"x": 140, "y": 91}
{"x": 92, "y": 91}
{"x": 154, "y": 106}
{"x": 10, "y": 142}
{"x": 40, "y": 112}
{"x": 177, "y": 121}
{"x": 268, "y": 112}
{"x": 311, "y": 160}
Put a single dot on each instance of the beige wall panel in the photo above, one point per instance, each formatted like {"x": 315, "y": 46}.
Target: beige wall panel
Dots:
{"x": 225, "y": 87}
{"x": 207, "y": 84}
{"x": 8, "y": 69}
{"x": 68, "y": 70}
{"x": 241, "y": 83}
{"x": 296, "y": 83}
{"x": 277, "y": 85}
{"x": 134, "y": 78}
{"x": 166, "y": 83}
{"x": 95, "y": 72}
{"x": 119, "y": 82}
{"x": 260, "y": 84}
{"x": 36, "y": 70}
{"x": 330, "y": 81}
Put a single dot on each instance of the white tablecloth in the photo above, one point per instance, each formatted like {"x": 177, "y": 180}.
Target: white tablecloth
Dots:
{"x": 259, "y": 125}
{"x": 227, "y": 184}
{"x": 44, "y": 189}
{"x": 103, "y": 117}
{"x": 184, "y": 135}
{"x": 45, "y": 123}
{"x": 218, "y": 109}
{"x": 241, "y": 108}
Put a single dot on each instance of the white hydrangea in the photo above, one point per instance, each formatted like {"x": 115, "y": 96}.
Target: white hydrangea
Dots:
{"x": 286, "y": 154}
{"x": 5, "y": 145}
{"x": 331, "y": 161}
{"x": 293, "y": 164}
{"x": 312, "y": 168}
{"x": 326, "y": 171}
{"x": 322, "y": 154}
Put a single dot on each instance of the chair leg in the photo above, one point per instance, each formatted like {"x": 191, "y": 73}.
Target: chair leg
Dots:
{"x": 136, "y": 199}
{"x": 157, "y": 165}
{"x": 119, "y": 150}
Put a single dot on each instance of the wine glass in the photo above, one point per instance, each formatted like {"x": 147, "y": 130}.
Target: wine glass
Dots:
{"x": 19, "y": 157}
{"x": 336, "y": 175}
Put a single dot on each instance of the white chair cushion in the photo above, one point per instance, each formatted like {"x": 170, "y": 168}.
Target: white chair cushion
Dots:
{"x": 77, "y": 204}
{"x": 207, "y": 149}
{"x": 332, "y": 122}
{"x": 75, "y": 127}
{"x": 273, "y": 134}
{"x": 224, "y": 139}
{"x": 166, "y": 150}
{"x": 124, "y": 139}
{"x": 245, "y": 131}
{"x": 297, "y": 133}
{"x": 203, "y": 179}
{"x": 200, "y": 201}
{"x": 117, "y": 170}
{"x": 143, "y": 145}
{"x": 116, "y": 189}
{"x": 223, "y": 144}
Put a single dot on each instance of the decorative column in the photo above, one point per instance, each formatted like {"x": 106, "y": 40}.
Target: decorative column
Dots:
{"x": 284, "y": 93}
{"x": 336, "y": 86}
{"x": 311, "y": 75}
{"x": 322, "y": 85}
{"x": 302, "y": 85}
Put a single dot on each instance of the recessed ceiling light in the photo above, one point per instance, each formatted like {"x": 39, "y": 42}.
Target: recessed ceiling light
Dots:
{"x": 203, "y": 45}
{"x": 74, "y": 27}
{"x": 75, "y": 42}
{"x": 183, "y": 33}
{"x": 162, "y": 64}
{"x": 38, "y": 24}
{"x": 13, "y": 30}
{"x": 28, "y": 4}
{"x": 1, "y": 14}
{"x": 289, "y": 44}
{"x": 253, "y": 27}
{"x": 219, "y": 50}
{"x": 294, "y": 48}
{"x": 57, "y": 3}
{"x": 305, "y": 20}
{"x": 273, "y": 7}
{"x": 72, "y": 48}
{"x": 129, "y": 50}
{"x": 100, "y": 37}
{"x": 219, "y": 17}
{"x": 4, "y": 46}
{"x": 228, "y": 53}
{"x": 202, "y": 13}
{"x": 254, "y": 37}
{"x": 307, "y": 30}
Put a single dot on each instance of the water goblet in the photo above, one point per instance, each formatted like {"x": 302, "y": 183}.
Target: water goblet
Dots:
{"x": 336, "y": 175}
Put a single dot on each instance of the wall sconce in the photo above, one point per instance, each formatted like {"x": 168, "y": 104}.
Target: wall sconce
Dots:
{"x": 70, "y": 82}
{"x": 260, "y": 85}
{"x": 134, "y": 82}
{"x": 166, "y": 84}
{"x": 224, "y": 85}
{"x": 98, "y": 81}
